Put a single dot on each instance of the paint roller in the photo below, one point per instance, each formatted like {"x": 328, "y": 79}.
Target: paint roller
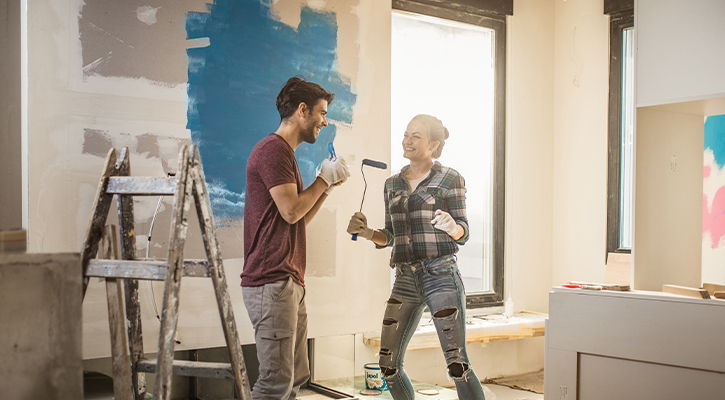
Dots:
{"x": 370, "y": 163}
{"x": 365, "y": 161}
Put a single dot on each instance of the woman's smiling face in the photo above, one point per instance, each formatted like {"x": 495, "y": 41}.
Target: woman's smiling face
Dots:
{"x": 416, "y": 142}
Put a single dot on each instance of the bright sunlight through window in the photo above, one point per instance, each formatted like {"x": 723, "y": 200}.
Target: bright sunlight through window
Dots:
{"x": 446, "y": 69}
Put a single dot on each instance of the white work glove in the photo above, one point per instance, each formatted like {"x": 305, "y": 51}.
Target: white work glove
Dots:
{"x": 359, "y": 224}
{"x": 333, "y": 172}
{"x": 444, "y": 222}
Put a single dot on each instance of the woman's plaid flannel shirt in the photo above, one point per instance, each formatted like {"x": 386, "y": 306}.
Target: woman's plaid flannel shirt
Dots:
{"x": 408, "y": 215}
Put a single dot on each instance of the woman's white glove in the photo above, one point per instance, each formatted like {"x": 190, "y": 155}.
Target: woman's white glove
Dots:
{"x": 444, "y": 222}
{"x": 359, "y": 224}
{"x": 334, "y": 172}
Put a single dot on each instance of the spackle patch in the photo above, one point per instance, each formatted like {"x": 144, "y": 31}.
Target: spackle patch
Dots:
{"x": 132, "y": 39}
{"x": 147, "y": 14}
{"x": 234, "y": 82}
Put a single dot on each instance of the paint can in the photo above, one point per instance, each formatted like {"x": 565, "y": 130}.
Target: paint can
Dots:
{"x": 374, "y": 379}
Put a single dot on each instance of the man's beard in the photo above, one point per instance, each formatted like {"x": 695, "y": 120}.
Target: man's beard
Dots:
{"x": 308, "y": 134}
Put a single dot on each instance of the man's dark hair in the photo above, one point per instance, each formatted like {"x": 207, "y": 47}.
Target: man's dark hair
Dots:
{"x": 297, "y": 90}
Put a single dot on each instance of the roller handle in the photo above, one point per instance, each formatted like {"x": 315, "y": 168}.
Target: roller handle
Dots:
{"x": 354, "y": 236}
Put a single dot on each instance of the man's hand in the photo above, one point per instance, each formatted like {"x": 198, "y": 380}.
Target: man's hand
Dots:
{"x": 359, "y": 224}
{"x": 444, "y": 222}
{"x": 334, "y": 172}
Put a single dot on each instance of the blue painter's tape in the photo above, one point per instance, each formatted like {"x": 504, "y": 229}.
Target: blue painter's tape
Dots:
{"x": 234, "y": 82}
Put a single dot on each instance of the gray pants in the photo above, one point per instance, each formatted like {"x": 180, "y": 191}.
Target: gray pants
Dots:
{"x": 279, "y": 316}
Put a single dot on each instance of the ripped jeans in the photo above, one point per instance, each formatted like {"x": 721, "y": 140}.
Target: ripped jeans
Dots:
{"x": 435, "y": 283}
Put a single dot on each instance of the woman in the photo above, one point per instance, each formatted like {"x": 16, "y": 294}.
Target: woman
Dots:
{"x": 425, "y": 222}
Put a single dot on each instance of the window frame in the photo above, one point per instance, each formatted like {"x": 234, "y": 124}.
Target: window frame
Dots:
{"x": 495, "y": 20}
{"x": 619, "y": 21}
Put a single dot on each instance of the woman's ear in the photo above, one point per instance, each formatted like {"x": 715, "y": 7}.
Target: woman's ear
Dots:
{"x": 435, "y": 145}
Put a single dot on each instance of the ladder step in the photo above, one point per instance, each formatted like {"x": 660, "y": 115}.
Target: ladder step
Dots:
{"x": 141, "y": 186}
{"x": 191, "y": 368}
{"x": 145, "y": 269}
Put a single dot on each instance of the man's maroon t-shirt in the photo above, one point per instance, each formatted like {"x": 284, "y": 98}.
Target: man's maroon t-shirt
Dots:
{"x": 273, "y": 249}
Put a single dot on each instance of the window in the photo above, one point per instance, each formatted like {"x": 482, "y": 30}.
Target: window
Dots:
{"x": 452, "y": 66}
{"x": 621, "y": 130}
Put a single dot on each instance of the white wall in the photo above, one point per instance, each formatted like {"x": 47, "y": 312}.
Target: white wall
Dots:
{"x": 680, "y": 50}
{"x": 530, "y": 153}
{"x": 581, "y": 87}
{"x": 668, "y": 201}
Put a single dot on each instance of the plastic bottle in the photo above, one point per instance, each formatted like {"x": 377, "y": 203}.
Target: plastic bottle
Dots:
{"x": 508, "y": 307}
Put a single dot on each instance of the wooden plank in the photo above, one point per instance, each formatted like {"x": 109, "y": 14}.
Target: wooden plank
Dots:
{"x": 99, "y": 213}
{"x": 170, "y": 307}
{"x": 719, "y": 295}
{"x": 619, "y": 269}
{"x": 144, "y": 269}
{"x": 686, "y": 291}
{"x": 713, "y": 287}
{"x": 128, "y": 252}
{"x": 226, "y": 313}
{"x": 121, "y": 362}
{"x": 192, "y": 368}
{"x": 141, "y": 186}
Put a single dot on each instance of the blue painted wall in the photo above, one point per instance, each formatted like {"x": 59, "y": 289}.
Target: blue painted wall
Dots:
{"x": 234, "y": 82}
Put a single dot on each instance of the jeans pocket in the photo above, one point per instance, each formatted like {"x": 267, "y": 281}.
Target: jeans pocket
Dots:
{"x": 441, "y": 266}
{"x": 280, "y": 288}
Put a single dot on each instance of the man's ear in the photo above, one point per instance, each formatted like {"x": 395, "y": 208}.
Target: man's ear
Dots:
{"x": 302, "y": 109}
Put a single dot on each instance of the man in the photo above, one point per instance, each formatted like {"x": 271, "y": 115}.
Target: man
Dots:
{"x": 277, "y": 209}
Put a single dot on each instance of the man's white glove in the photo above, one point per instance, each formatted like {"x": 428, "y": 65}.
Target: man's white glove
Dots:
{"x": 359, "y": 224}
{"x": 334, "y": 172}
{"x": 444, "y": 222}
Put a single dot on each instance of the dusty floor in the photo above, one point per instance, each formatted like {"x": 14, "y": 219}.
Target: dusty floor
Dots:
{"x": 101, "y": 388}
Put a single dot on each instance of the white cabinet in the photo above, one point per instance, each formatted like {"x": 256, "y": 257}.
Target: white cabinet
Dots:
{"x": 633, "y": 345}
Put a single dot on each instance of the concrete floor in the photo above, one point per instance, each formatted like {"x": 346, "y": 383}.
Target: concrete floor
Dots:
{"x": 499, "y": 393}
{"x": 99, "y": 387}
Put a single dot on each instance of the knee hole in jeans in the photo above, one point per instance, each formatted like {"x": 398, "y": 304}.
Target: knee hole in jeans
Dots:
{"x": 388, "y": 372}
{"x": 393, "y": 300}
{"x": 457, "y": 369}
{"x": 384, "y": 352}
{"x": 446, "y": 312}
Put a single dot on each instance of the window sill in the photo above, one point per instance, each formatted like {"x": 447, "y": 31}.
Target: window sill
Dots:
{"x": 479, "y": 329}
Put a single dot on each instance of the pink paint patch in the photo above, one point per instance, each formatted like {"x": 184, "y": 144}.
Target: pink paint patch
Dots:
{"x": 706, "y": 171}
{"x": 713, "y": 220}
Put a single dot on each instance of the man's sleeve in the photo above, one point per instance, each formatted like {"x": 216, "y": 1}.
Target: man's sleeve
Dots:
{"x": 276, "y": 166}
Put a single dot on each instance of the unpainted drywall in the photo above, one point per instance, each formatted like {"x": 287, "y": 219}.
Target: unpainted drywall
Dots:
{"x": 581, "y": 87}
{"x": 668, "y": 199}
{"x": 79, "y": 107}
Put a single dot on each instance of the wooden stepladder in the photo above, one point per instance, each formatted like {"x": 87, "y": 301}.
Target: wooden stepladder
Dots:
{"x": 129, "y": 363}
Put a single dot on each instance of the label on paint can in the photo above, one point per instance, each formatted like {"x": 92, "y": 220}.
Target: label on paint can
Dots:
{"x": 374, "y": 379}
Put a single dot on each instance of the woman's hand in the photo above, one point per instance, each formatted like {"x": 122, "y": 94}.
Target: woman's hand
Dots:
{"x": 359, "y": 224}
{"x": 444, "y": 222}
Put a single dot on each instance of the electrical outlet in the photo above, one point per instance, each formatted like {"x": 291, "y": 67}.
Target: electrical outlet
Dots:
{"x": 564, "y": 390}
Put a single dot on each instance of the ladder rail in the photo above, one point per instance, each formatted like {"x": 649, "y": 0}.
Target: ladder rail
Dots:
{"x": 170, "y": 307}
{"x": 128, "y": 252}
{"x": 99, "y": 214}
